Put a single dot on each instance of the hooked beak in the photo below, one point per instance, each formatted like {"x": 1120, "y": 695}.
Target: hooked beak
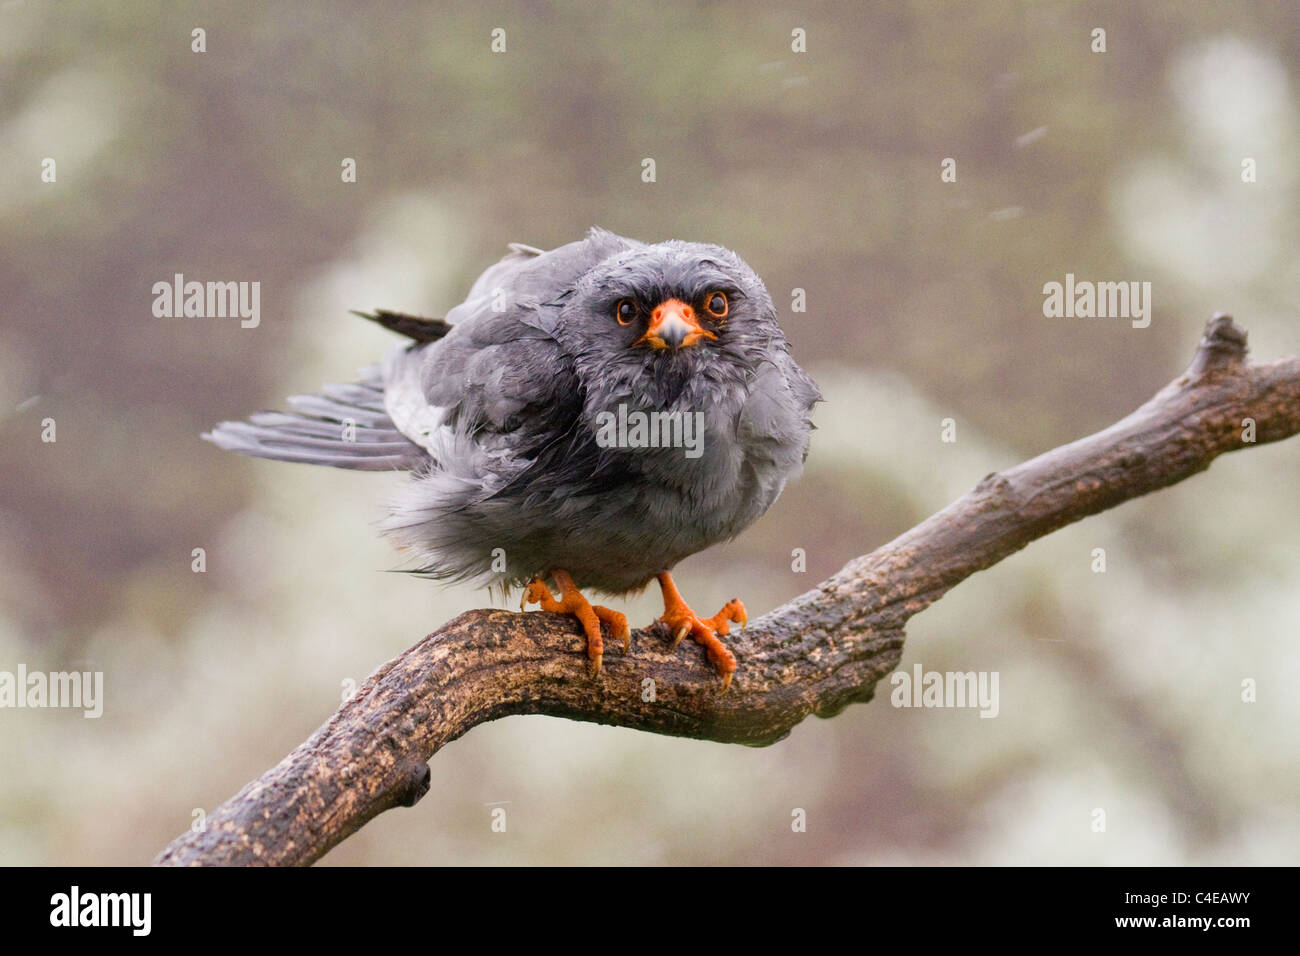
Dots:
{"x": 673, "y": 326}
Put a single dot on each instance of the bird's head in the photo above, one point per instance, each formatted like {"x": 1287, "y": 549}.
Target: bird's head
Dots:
{"x": 665, "y": 326}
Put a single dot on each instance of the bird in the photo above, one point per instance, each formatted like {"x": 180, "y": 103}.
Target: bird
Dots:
{"x": 586, "y": 419}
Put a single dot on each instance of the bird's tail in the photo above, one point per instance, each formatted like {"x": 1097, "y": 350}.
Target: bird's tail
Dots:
{"x": 346, "y": 426}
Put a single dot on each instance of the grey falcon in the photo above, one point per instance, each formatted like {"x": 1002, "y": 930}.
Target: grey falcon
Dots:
{"x": 512, "y": 417}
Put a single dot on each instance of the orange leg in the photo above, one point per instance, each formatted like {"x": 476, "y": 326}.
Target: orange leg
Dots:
{"x": 589, "y": 615}
{"x": 681, "y": 620}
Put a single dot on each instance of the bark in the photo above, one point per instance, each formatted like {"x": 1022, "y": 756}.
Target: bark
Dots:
{"x": 816, "y": 654}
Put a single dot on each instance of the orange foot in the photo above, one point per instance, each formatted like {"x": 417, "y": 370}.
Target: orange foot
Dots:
{"x": 590, "y": 615}
{"x": 681, "y": 620}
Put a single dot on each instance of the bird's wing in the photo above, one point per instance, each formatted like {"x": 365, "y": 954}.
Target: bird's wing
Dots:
{"x": 775, "y": 420}
{"x": 499, "y": 388}
{"x": 486, "y": 397}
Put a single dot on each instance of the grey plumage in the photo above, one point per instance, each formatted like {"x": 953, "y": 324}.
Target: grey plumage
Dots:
{"x": 498, "y": 417}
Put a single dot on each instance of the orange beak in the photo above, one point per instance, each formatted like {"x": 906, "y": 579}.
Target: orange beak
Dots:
{"x": 672, "y": 326}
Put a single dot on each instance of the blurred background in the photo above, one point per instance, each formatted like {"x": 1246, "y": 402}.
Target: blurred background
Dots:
{"x": 1120, "y": 690}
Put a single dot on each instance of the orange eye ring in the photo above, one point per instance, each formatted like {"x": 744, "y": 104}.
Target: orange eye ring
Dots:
{"x": 711, "y": 298}
{"x": 624, "y": 317}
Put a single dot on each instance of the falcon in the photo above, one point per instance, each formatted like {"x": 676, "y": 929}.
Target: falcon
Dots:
{"x": 503, "y": 415}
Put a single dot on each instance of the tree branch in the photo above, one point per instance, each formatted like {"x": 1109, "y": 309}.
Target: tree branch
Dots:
{"x": 815, "y": 655}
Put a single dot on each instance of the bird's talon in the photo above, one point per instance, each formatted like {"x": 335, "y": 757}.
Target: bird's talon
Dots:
{"x": 681, "y": 620}
{"x": 590, "y": 616}
{"x": 536, "y": 592}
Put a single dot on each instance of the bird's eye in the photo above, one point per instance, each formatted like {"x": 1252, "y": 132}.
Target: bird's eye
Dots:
{"x": 716, "y": 304}
{"x": 625, "y": 311}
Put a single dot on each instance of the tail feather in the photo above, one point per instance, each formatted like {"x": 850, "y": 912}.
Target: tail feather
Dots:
{"x": 344, "y": 427}
{"x": 326, "y": 409}
{"x": 355, "y": 394}
{"x": 314, "y": 428}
